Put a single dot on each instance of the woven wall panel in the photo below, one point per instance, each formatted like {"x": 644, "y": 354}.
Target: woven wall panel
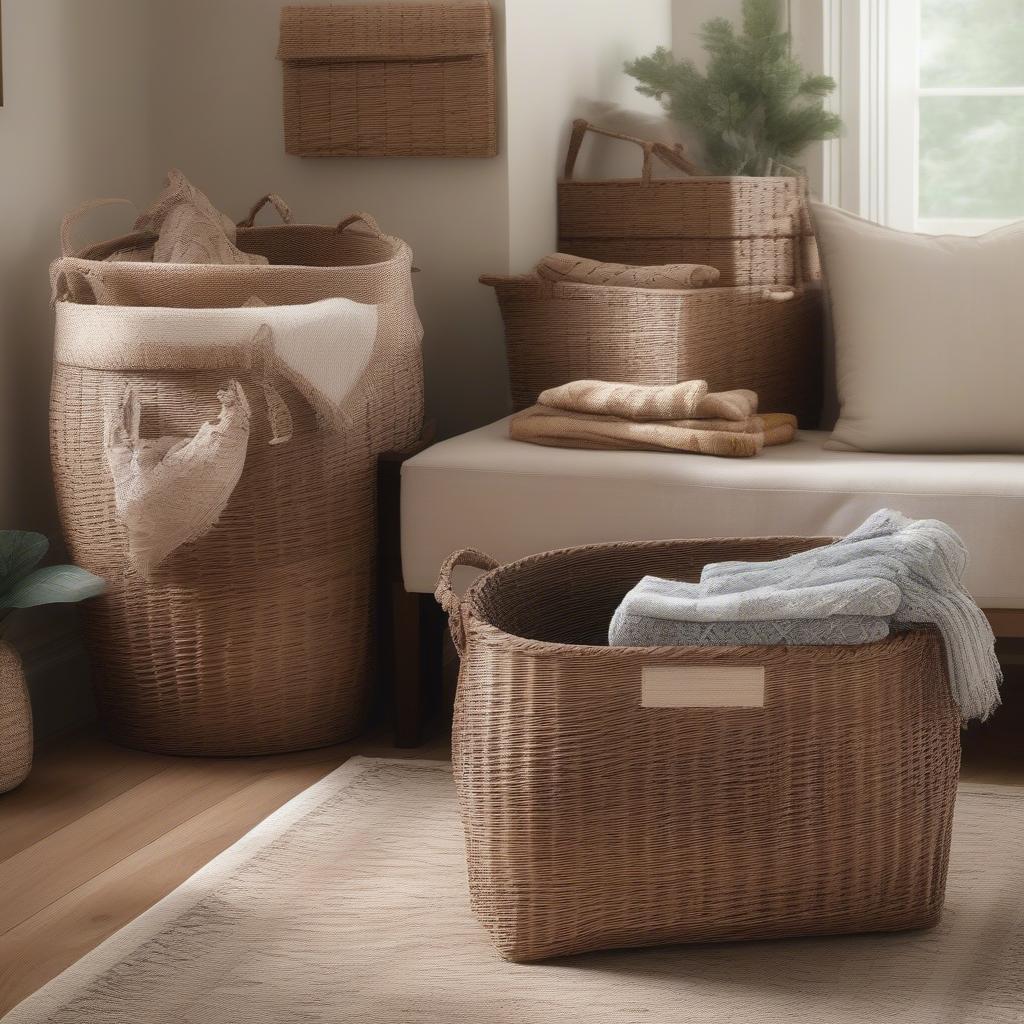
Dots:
{"x": 389, "y": 80}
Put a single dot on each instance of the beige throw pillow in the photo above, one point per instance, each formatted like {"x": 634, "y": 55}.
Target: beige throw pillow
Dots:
{"x": 929, "y": 336}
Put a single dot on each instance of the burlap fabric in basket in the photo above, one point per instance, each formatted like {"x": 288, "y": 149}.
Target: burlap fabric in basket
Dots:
{"x": 754, "y": 230}
{"x": 256, "y": 636}
{"x": 766, "y": 339}
{"x": 594, "y": 822}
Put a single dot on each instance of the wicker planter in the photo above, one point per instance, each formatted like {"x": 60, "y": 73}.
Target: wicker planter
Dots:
{"x": 598, "y": 815}
{"x": 765, "y": 339}
{"x": 15, "y": 721}
{"x": 257, "y": 636}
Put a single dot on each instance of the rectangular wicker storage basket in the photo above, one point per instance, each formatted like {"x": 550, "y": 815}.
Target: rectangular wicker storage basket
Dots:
{"x": 765, "y": 339}
{"x": 389, "y": 80}
{"x": 593, "y": 821}
{"x": 753, "y": 230}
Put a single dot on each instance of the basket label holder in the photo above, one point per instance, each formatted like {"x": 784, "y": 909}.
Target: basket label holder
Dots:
{"x": 702, "y": 686}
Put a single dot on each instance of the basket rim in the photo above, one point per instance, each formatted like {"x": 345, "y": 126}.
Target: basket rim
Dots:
{"x": 401, "y": 251}
{"x": 766, "y": 653}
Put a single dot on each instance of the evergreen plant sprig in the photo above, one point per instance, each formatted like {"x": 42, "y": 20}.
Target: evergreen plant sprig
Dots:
{"x": 754, "y": 109}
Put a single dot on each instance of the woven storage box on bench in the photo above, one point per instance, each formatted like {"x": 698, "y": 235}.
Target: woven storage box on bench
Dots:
{"x": 765, "y": 339}
{"x": 594, "y": 822}
{"x": 753, "y": 230}
{"x": 256, "y": 637}
{"x": 389, "y": 80}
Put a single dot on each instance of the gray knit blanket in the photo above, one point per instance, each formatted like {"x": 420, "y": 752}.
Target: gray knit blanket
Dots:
{"x": 892, "y": 569}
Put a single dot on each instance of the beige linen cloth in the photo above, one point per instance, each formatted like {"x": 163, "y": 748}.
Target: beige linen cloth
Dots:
{"x": 189, "y": 228}
{"x": 170, "y": 490}
{"x": 690, "y": 399}
{"x": 557, "y": 428}
{"x": 682, "y": 417}
{"x": 561, "y": 267}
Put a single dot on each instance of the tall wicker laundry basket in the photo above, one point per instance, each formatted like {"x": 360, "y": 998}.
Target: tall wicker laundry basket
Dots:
{"x": 634, "y": 796}
{"x": 256, "y": 636}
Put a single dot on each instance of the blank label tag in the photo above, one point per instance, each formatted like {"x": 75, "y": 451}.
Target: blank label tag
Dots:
{"x": 702, "y": 686}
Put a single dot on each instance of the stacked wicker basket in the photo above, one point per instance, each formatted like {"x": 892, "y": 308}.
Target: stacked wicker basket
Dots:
{"x": 760, "y": 328}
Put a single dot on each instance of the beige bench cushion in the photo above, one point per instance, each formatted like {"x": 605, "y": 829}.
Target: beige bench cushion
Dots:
{"x": 511, "y": 499}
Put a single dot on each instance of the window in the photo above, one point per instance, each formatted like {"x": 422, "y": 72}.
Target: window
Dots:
{"x": 933, "y": 98}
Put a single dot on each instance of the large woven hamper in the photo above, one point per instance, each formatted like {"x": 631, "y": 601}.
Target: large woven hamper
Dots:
{"x": 765, "y": 339}
{"x": 256, "y": 637}
{"x": 753, "y": 230}
{"x": 593, "y": 821}
{"x": 389, "y": 79}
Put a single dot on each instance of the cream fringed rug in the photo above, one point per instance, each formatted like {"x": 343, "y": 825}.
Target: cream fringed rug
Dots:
{"x": 350, "y": 905}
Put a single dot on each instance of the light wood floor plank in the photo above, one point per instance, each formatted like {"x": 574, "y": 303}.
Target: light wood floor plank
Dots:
{"x": 44, "y": 944}
{"x": 63, "y": 860}
{"x": 69, "y": 779}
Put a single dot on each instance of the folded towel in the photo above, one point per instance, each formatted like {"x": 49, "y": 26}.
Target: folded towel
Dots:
{"x": 689, "y": 399}
{"x": 561, "y": 266}
{"x": 552, "y": 427}
{"x": 778, "y": 427}
{"x": 559, "y": 428}
{"x": 926, "y": 559}
{"x": 690, "y": 602}
{"x": 647, "y": 631}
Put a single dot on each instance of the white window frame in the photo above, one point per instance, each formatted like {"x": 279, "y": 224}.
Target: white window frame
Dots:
{"x": 873, "y": 169}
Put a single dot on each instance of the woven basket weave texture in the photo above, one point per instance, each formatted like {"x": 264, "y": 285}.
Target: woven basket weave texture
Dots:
{"x": 257, "y": 637}
{"x": 753, "y": 230}
{"x": 754, "y": 337}
{"x": 592, "y": 822}
{"x": 392, "y": 80}
{"x": 15, "y": 721}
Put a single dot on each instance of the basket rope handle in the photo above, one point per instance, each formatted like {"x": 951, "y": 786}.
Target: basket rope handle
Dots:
{"x": 69, "y": 222}
{"x": 283, "y": 209}
{"x": 674, "y": 156}
{"x": 448, "y": 599}
{"x": 368, "y": 219}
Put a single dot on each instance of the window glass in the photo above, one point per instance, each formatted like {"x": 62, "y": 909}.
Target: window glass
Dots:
{"x": 972, "y": 43}
{"x": 971, "y": 157}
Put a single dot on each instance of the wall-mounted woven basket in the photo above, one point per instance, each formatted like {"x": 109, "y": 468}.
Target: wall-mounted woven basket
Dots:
{"x": 753, "y": 230}
{"x": 767, "y": 339}
{"x": 256, "y": 637}
{"x": 605, "y": 806}
{"x": 389, "y": 80}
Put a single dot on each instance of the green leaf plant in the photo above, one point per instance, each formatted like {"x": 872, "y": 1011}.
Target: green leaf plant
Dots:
{"x": 754, "y": 109}
{"x": 23, "y": 585}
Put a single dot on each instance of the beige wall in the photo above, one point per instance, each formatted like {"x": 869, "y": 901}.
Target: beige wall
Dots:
{"x": 564, "y": 63}
{"x": 75, "y": 124}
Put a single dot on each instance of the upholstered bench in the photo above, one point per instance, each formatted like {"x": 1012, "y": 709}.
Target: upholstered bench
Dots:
{"x": 510, "y": 499}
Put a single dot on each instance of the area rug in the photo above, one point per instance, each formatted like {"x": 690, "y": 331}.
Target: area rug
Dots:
{"x": 350, "y": 905}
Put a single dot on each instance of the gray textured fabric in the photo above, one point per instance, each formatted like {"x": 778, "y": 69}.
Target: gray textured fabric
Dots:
{"x": 925, "y": 559}
{"x": 648, "y": 631}
{"x": 693, "y": 602}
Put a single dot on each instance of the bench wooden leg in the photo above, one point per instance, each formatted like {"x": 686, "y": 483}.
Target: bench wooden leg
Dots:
{"x": 417, "y": 661}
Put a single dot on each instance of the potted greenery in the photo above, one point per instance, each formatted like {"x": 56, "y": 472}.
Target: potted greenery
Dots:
{"x": 23, "y": 585}
{"x": 754, "y": 109}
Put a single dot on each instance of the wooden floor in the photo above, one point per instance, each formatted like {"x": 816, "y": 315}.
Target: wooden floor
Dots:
{"x": 99, "y": 833}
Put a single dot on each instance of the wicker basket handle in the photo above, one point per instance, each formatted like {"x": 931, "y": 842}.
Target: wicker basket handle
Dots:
{"x": 366, "y": 219}
{"x": 448, "y": 599}
{"x": 283, "y": 209}
{"x": 68, "y": 223}
{"x": 778, "y": 294}
{"x": 674, "y": 156}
